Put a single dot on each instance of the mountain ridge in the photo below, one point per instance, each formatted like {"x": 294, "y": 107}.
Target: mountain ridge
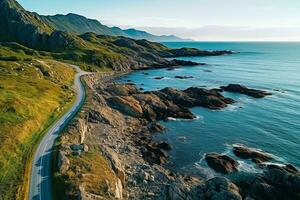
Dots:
{"x": 91, "y": 50}
{"x": 79, "y": 24}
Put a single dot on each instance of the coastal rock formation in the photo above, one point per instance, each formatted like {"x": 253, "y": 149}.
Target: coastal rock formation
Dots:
{"x": 194, "y": 96}
{"x": 156, "y": 128}
{"x": 276, "y": 183}
{"x": 154, "y": 152}
{"x": 122, "y": 130}
{"x": 150, "y": 107}
{"x": 221, "y": 163}
{"x": 185, "y": 63}
{"x": 236, "y": 88}
{"x": 192, "y": 52}
{"x": 253, "y": 154}
{"x": 127, "y": 105}
{"x": 216, "y": 189}
{"x": 162, "y": 104}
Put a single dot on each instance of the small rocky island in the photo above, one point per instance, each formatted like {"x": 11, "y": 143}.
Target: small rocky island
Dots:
{"x": 122, "y": 121}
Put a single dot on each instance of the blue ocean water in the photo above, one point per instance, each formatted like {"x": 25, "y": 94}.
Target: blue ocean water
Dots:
{"x": 271, "y": 124}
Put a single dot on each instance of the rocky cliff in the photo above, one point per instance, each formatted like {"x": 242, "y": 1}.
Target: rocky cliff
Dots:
{"x": 19, "y": 25}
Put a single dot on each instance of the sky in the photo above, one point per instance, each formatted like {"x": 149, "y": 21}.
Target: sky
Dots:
{"x": 210, "y": 20}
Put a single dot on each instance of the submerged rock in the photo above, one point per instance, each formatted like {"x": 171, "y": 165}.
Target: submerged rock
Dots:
{"x": 159, "y": 78}
{"x": 221, "y": 163}
{"x": 236, "y": 88}
{"x": 183, "y": 77}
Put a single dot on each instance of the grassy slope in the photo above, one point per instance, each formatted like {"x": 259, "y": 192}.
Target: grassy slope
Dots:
{"x": 32, "y": 95}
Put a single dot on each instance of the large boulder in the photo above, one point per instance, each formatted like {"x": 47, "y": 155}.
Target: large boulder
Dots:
{"x": 276, "y": 183}
{"x": 121, "y": 89}
{"x": 156, "y": 128}
{"x": 159, "y": 108}
{"x": 127, "y": 105}
{"x": 218, "y": 188}
{"x": 285, "y": 178}
{"x": 236, "y": 88}
{"x": 221, "y": 163}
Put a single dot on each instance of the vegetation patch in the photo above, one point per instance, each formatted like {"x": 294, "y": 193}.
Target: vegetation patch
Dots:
{"x": 30, "y": 101}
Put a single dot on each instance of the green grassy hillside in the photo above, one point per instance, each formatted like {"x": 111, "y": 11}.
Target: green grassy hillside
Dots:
{"x": 33, "y": 93}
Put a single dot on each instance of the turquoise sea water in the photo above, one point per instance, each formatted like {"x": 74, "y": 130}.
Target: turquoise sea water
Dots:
{"x": 271, "y": 124}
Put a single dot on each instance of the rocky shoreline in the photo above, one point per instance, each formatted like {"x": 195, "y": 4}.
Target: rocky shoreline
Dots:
{"x": 122, "y": 120}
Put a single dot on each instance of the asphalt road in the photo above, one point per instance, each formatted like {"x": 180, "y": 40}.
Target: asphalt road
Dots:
{"x": 40, "y": 179}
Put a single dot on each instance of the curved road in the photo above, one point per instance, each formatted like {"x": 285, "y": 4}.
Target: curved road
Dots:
{"x": 40, "y": 178}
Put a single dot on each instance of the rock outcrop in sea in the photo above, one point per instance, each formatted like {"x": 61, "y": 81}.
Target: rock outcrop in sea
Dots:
{"x": 277, "y": 181}
{"x": 237, "y": 88}
{"x": 221, "y": 163}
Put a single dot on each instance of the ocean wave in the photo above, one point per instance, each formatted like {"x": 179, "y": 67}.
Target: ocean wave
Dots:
{"x": 202, "y": 166}
{"x": 234, "y": 107}
{"x": 248, "y": 167}
{"x": 198, "y": 117}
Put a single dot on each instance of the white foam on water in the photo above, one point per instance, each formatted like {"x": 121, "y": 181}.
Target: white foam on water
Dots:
{"x": 231, "y": 107}
{"x": 247, "y": 167}
{"x": 172, "y": 119}
{"x": 206, "y": 171}
{"x": 277, "y": 160}
{"x": 246, "y": 99}
{"x": 274, "y": 163}
{"x": 201, "y": 165}
{"x": 198, "y": 117}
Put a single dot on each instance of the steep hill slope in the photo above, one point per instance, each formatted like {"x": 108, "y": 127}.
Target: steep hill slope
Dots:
{"x": 33, "y": 93}
{"x": 80, "y": 24}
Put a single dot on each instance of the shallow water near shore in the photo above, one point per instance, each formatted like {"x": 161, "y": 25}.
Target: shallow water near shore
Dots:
{"x": 271, "y": 124}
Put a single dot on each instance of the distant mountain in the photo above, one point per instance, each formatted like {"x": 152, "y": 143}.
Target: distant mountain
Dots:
{"x": 115, "y": 52}
{"x": 91, "y": 50}
{"x": 80, "y": 24}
